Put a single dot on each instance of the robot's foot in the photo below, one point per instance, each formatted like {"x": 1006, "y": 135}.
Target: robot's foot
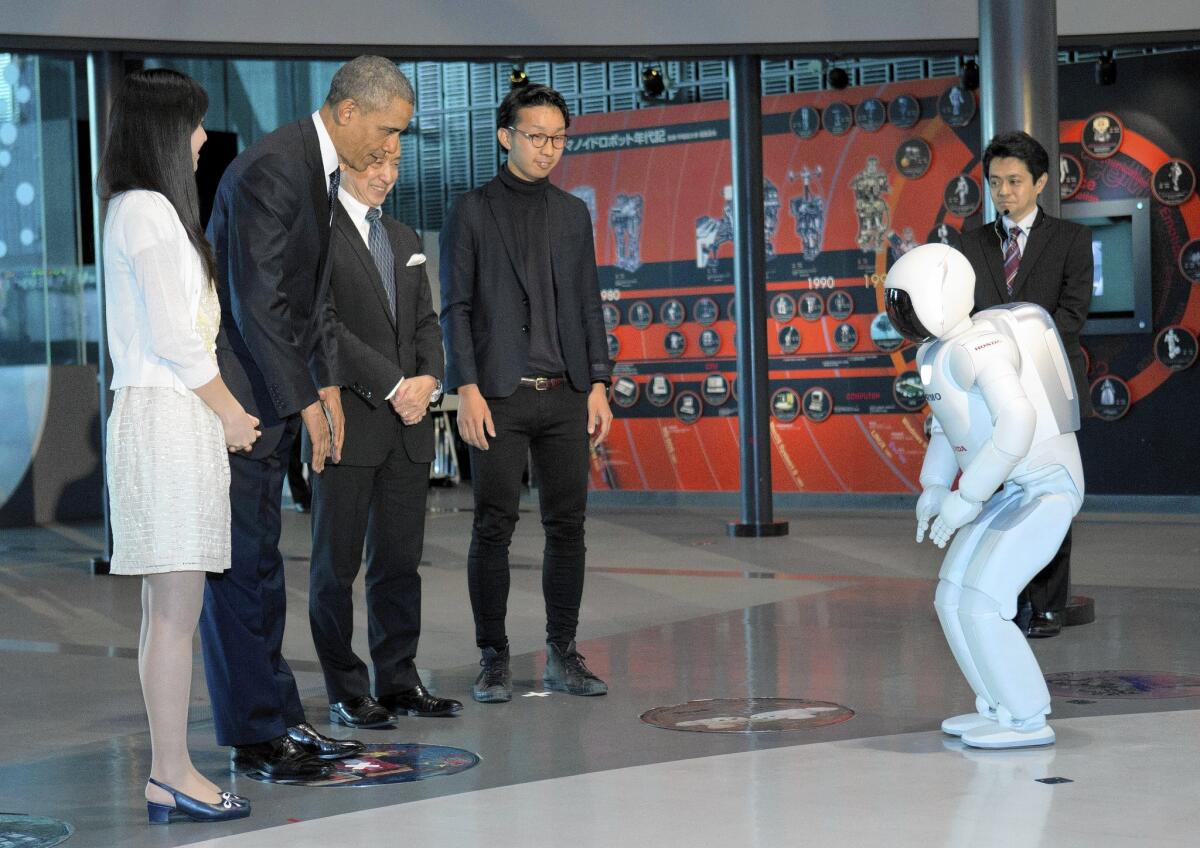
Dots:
{"x": 960, "y": 724}
{"x": 999, "y": 736}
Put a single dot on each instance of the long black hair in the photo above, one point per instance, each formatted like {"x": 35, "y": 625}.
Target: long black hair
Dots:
{"x": 149, "y": 146}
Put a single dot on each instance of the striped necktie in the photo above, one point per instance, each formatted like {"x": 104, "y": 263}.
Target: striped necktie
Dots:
{"x": 381, "y": 252}
{"x": 1012, "y": 257}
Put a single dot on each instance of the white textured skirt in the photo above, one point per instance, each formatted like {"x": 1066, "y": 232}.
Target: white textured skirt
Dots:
{"x": 168, "y": 483}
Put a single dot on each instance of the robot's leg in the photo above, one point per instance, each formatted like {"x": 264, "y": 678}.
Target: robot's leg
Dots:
{"x": 1019, "y": 542}
{"x": 949, "y": 591}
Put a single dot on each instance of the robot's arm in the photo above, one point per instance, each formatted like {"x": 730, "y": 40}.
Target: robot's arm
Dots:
{"x": 937, "y": 474}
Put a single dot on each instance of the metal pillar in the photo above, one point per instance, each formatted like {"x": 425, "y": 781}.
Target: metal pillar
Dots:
{"x": 1018, "y": 72}
{"x": 104, "y": 73}
{"x": 750, "y": 289}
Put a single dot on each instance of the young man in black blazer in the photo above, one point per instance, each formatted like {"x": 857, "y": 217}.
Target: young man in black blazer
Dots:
{"x": 527, "y": 355}
{"x": 1026, "y": 255}
{"x": 390, "y": 359}
{"x": 270, "y": 231}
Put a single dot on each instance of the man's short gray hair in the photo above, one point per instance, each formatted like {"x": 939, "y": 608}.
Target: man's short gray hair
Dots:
{"x": 372, "y": 82}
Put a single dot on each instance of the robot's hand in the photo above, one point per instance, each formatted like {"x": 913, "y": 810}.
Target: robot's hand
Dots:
{"x": 956, "y": 512}
{"x": 929, "y": 505}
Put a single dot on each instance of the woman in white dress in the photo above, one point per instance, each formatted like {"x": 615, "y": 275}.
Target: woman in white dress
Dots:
{"x": 173, "y": 419}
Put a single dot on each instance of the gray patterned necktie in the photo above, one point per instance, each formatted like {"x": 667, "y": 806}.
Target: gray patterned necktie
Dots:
{"x": 381, "y": 252}
{"x": 335, "y": 180}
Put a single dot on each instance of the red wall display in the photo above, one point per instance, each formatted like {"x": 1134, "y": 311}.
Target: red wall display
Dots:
{"x": 852, "y": 179}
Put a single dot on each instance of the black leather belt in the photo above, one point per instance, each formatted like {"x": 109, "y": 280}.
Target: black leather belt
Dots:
{"x": 541, "y": 384}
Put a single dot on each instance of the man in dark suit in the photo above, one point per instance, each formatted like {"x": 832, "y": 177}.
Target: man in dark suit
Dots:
{"x": 270, "y": 231}
{"x": 527, "y": 354}
{"x": 390, "y": 358}
{"x": 1026, "y": 255}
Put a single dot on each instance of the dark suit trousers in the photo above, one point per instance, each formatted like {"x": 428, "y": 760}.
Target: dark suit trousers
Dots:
{"x": 385, "y": 506}
{"x": 1050, "y": 589}
{"x": 253, "y": 692}
{"x": 552, "y": 426}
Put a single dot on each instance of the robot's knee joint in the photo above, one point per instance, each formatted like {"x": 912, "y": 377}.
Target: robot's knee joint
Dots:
{"x": 978, "y": 604}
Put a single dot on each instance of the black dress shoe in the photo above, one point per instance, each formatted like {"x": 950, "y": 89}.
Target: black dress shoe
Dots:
{"x": 280, "y": 758}
{"x": 418, "y": 702}
{"x": 1043, "y": 625}
{"x": 364, "y": 712}
{"x": 323, "y": 747}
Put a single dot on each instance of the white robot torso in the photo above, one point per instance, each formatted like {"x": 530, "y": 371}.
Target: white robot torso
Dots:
{"x": 1003, "y": 398}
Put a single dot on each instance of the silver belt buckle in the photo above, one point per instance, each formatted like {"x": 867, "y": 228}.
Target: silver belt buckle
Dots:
{"x": 541, "y": 384}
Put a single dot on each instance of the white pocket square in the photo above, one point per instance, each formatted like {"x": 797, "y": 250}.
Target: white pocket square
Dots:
{"x": 415, "y": 259}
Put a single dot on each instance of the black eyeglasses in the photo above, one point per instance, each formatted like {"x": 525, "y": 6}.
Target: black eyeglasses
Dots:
{"x": 539, "y": 140}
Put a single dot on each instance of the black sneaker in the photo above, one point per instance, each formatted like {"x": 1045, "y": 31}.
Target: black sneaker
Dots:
{"x": 494, "y": 683}
{"x": 567, "y": 672}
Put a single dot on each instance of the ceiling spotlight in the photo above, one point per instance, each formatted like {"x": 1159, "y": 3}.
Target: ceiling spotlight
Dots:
{"x": 838, "y": 78}
{"x": 654, "y": 85}
{"x": 517, "y": 77}
{"x": 1106, "y": 69}
{"x": 970, "y": 75}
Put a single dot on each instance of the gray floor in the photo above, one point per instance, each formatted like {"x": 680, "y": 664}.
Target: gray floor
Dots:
{"x": 840, "y": 610}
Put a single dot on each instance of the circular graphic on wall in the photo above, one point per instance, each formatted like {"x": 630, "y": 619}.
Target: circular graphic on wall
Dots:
{"x": 810, "y": 306}
{"x": 870, "y": 115}
{"x": 1110, "y": 397}
{"x": 1102, "y": 135}
{"x": 805, "y": 122}
{"x": 640, "y": 314}
{"x": 674, "y": 343}
{"x": 962, "y": 196}
{"x": 956, "y": 105}
{"x": 1070, "y": 176}
{"x": 383, "y": 764}
{"x": 904, "y": 111}
{"x": 1189, "y": 260}
{"x": 688, "y": 408}
{"x": 839, "y": 305}
{"x": 731, "y": 309}
{"x": 783, "y": 308}
{"x": 715, "y": 389}
{"x": 612, "y": 316}
{"x": 945, "y": 234}
{"x": 884, "y": 335}
{"x": 845, "y": 337}
{"x": 789, "y": 339}
{"x": 659, "y": 390}
{"x": 1175, "y": 348}
{"x": 672, "y": 312}
{"x": 705, "y": 311}
{"x": 614, "y": 346}
{"x": 624, "y": 392}
{"x": 908, "y": 391}
{"x": 748, "y": 715}
{"x": 785, "y": 406}
{"x": 913, "y": 158}
{"x": 838, "y": 118}
{"x": 817, "y": 404}
{"x": 1173, "y": 183}
{"x": 22, "y": 831}
{"x": 1123, "y": 684}
{"x": 710, "y": 341}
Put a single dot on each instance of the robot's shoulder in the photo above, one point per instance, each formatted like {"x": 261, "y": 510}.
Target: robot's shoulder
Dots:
{"x": 1006, "y": 317}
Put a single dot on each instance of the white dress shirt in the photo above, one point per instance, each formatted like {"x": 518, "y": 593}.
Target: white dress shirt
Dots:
{"x": 1025, "y": 224}
{"x": 329, "y": 154}
{"x": 153, "y": 277}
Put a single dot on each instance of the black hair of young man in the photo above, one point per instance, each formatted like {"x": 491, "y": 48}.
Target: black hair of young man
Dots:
{"x": 1017, "y": 145}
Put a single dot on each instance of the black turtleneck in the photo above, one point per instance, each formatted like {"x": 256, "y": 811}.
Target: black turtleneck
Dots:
{"x": 525, "y": 205}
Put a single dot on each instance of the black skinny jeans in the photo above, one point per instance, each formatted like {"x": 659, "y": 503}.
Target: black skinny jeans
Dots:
{"x": 552, "y": 425}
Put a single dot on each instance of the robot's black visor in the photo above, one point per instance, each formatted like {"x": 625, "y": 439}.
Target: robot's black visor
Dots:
{"x": 904, "y": 317}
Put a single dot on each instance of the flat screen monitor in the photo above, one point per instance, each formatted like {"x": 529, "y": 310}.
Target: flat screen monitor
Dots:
{"x": 1121, "y": 289}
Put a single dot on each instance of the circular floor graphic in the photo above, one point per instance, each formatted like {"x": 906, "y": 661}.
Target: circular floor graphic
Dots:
{"x": 381, "y": 764}
{"x": 32, "y": 831}
{"x": 747, "y": 715}
{"x": 1123, "y": 684}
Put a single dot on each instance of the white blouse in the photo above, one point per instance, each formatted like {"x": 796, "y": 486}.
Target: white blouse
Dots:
{"x": 153, "y": 278}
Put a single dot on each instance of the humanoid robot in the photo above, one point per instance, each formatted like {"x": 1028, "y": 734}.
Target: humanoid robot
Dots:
{"x": 1005, "y": 416}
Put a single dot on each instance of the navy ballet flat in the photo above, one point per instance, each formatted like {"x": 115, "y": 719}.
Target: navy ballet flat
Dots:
{"x": 188, "y": 808}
